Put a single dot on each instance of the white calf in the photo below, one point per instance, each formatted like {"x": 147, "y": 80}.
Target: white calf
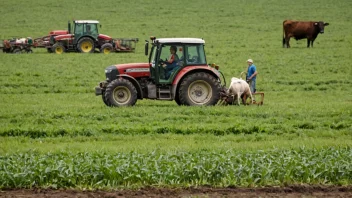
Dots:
{"x": 240, "y": 89}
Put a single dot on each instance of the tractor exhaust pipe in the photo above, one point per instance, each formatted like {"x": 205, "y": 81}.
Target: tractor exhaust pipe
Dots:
{"x": 69, "y": 27}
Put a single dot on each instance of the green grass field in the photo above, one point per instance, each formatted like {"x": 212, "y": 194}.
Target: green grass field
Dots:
{"x": 48, "y": 106}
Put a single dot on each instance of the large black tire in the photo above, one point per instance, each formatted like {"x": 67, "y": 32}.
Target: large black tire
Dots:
{"x": 107, "y": 48}
{"x": 120, "y": 92}
{"x": 86, "y": 45}
{"x": 177, "y": 100}
{"x": 58, "y": 48}
{"x": 104, "y": 99}
{"x": 17, "y": 51}
{"x": 199, "y": 89}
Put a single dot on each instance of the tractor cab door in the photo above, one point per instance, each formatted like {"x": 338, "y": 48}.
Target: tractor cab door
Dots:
{"x": 78, "y": 32}
{"x": 153, "y": 62}
{"x": 169, "y": 59}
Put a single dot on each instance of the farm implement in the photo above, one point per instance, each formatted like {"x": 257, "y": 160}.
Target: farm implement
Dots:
{"x": 188, "y": 79}
{"x": 229, "y": 99}
{"x": 17, "y": 46}
{"x": 82, "y": 36}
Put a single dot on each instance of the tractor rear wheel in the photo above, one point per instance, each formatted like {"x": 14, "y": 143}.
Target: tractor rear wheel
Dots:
{"x": 199, "y": 89}
{"x": 58, "y": 48}
{"x": 120, "y": 92}
{"x": 106, "y": 48}
{"x": 86, "y": 45}
{"x": 177, "y": 100}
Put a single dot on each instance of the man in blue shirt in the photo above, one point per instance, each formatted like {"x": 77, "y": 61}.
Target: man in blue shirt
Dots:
{"x": 251, "y": 75}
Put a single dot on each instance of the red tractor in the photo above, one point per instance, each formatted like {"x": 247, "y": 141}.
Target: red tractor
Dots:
{"x": 84, "y": 38}
{"x": 190, "y": 82}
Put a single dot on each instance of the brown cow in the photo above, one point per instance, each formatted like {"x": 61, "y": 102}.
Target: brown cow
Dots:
{"x": 302, "y": 29}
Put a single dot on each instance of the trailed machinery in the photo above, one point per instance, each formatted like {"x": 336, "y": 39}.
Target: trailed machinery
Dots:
{"x": 17, "y": 45}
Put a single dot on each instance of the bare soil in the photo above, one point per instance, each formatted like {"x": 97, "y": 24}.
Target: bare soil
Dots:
{"x": 289, "y": 191}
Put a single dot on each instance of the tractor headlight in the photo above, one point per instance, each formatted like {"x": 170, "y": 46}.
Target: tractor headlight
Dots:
{"x": 111, "y": 73}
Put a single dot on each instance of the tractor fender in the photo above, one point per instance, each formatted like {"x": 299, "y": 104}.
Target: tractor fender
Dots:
{"x": 134, "y": 82}
{"x": 87, "y": 36}
{"x": 191, "y": 70}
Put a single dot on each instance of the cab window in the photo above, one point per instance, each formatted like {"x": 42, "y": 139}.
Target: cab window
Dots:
{"x": 165, "y": 52}
{"x": 195, "y": 55}
{"x": 79, "y": 28}
{"x": 94, "y": 28}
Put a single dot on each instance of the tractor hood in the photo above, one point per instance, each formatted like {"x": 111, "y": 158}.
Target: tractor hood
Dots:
{"x": 63, "y": 37}
{"x": 135, "y": 70}
{"x": 104, "y": 37}
{"x": 132, "y": 66}
{"x": 58, "y": 32}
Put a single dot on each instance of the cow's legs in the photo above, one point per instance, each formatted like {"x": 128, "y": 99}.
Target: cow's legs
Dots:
{"x": 238, "y": 99}
{"x": 287, "y": 40}
{"x": 244, "y": 98}
{"x": 308, "y": 43}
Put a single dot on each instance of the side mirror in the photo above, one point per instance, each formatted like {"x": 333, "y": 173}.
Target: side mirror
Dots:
{"x": 146, "y": 47}
{"x": 100, "y": 26}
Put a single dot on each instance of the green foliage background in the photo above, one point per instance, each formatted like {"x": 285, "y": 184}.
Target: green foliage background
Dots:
{"x": 47, "y": 101}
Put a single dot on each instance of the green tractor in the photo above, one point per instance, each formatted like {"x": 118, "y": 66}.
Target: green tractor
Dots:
{"x": 85, "y": 38}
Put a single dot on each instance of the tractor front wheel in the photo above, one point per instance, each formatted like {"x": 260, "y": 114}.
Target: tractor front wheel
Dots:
{"x": 104, "y": 99}
{"x": 86, "y": 45}
{"x": 106, "y": 48}
{"x": 120, "y": 92}
{"x": 58, "y": 48}
{"x": 199, "y": 89}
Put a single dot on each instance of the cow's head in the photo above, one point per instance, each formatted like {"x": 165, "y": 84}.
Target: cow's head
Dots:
{"x": 320, "y": 26}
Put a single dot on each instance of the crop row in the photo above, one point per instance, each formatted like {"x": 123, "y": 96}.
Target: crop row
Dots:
{"x": 225, "y": 168}
{"x": 254, "y": 129}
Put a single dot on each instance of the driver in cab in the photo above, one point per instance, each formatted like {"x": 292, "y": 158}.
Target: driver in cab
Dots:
{"x": 171, "y": 63}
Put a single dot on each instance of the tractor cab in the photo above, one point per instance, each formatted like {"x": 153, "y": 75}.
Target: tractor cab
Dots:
{"x": 83, "y": 28}
{"x": 168, "y": 56}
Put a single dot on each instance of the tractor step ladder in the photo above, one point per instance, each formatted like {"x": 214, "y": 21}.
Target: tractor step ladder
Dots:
{"x": 164, "y": 93}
